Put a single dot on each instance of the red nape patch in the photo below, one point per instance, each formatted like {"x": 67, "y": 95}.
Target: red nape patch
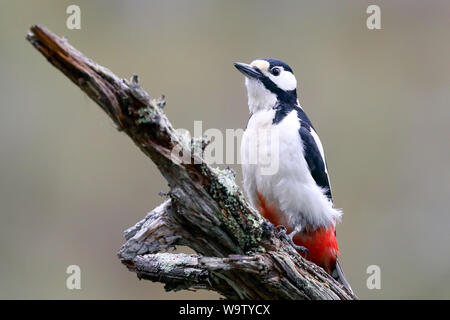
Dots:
{"x": 322, "y": 247}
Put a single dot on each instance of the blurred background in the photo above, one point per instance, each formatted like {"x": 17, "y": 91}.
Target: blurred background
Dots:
{"x": 70, "y": 183}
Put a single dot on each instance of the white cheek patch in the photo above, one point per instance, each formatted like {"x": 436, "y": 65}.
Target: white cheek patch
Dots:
{"x": 285, "y": 80}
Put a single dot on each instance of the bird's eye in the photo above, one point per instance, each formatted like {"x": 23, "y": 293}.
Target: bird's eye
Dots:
{"x": 275, "y": 71}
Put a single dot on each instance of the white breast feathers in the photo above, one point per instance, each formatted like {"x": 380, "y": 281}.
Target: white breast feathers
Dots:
{"x": 280, "y": 173}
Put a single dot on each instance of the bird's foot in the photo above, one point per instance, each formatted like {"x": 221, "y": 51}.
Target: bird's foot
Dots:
{"x": 290, "y": 238}
{"x": 281, "y": 232}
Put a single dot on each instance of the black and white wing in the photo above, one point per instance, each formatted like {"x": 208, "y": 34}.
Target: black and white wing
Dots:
{"x": 314, "y": 155}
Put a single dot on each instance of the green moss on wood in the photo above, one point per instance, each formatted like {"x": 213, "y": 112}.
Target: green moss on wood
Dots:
{"x": 146, "y": 115}
{"x": 224, "y": 190}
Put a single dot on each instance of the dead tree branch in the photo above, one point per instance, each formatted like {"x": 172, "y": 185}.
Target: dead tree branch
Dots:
{"x": 239, "y": 253}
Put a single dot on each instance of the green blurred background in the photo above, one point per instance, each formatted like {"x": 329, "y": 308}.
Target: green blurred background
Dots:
{"x": 70, "y": 183}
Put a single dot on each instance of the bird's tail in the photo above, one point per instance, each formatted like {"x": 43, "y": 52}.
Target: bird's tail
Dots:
{"x": 339, "y": 276}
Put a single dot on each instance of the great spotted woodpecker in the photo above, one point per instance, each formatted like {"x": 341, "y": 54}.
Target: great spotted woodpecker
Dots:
{"x": 297, "y": 195}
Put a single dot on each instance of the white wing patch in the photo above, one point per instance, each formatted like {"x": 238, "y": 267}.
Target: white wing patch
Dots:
{"x": 319, "y": 145}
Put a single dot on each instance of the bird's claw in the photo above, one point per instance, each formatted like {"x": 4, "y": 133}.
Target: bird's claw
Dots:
{"x": 301, "y": 249}
{"x": 290, "y": 238}
{"x": 282, "y": 232}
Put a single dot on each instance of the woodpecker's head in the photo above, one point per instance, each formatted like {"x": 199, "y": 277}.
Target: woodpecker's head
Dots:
{"x": 269, "y": 82}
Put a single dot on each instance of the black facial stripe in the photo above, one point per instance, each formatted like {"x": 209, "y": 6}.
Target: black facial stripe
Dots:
{"x": 285, "y": 97}
{"x": 282, "y": 110}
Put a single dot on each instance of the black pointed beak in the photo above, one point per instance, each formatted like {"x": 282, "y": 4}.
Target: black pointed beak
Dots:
{"x": 248, "y": 70}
